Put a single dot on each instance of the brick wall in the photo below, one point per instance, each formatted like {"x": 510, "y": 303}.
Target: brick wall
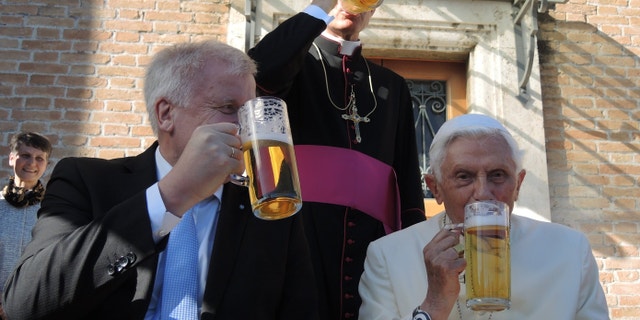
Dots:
{"x": 73, "y": 71}
{"x": 590, "y": 75}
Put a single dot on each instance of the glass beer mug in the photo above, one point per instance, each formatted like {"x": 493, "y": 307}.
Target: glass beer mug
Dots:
{"x": 488, "y": 255}
{"x": 269, "y": 159}
{"x": 359, "y": 6}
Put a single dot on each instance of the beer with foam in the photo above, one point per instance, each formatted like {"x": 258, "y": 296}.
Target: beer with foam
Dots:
{"x": 269, "y": 159}
{"x": 488, "y": 256}
{"x": 274, "y": 188}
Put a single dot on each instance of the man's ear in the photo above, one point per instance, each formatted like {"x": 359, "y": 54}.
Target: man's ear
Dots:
{"x": 521, "y": 175}
{"x": 164, "y": 113}
{"x": 12, "y": 158}
{"x": 432, "y": 183}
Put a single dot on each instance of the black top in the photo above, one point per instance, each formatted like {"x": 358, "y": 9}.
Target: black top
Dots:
{"x": 289, "y": 67}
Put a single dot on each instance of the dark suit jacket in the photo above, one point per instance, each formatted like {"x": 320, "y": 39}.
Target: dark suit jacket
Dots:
{"x": 94, "y": 213}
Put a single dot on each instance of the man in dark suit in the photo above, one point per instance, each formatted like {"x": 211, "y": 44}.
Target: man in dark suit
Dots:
{"x": 99, "y": 245}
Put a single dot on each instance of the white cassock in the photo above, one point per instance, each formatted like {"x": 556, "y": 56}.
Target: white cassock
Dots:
{"x": 554, "y": 275}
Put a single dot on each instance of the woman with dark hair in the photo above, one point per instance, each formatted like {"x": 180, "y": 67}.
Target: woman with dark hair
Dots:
{"x": 20, "y": 198}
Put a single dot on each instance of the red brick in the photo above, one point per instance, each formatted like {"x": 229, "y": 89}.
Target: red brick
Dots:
{"x": 45, "y": 68}
{"x": 119, "y": 142}
{"x": 13, "y": 79}
{"x": 86, "y": 34}
{"x": 71, "y": 127}
{"x": 117, "y": 117}
{"x": 19, "y": 32}
{"x": 129, "y": 25}
{"x": 169, "y": 16}
{"x": 128, "y": 4}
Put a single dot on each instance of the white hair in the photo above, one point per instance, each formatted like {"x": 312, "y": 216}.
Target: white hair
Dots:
{"x": 173, "y": 72}
{"x": 469, "y": 125}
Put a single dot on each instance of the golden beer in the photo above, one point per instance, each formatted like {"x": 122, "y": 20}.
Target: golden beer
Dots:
{"x": 360, "y": 6}
{"x": 488, "y": 271}
{"x": 274, "y": 186}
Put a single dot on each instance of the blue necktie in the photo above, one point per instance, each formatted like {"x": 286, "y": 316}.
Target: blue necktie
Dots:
{"x": 180, "y": 288}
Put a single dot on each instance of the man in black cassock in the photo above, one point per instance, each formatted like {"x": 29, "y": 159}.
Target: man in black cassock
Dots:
{"x": 353, "y": 127}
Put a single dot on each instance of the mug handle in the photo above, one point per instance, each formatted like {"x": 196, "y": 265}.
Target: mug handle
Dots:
{"x": 239, "y": 180}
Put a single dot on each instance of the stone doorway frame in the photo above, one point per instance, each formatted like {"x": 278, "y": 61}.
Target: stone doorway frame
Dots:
{"x": 483, "y": 33}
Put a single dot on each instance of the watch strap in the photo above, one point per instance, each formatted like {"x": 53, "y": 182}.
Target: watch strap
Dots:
{"x": 419, "y": 314}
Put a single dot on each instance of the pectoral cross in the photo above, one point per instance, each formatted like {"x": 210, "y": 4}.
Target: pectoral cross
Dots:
{"x": 356, "y": 118}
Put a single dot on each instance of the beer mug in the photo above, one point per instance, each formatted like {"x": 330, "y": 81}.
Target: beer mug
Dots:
{"x": 488, "y": 255}
{"x": 269, "y": 159}
{"x": 359, "y": 6}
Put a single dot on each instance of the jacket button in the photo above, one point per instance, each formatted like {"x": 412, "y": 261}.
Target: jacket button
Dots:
{"x": 111, "y": 270}
{"x": 131, "y": 257}
{"x": 122, "y": 262}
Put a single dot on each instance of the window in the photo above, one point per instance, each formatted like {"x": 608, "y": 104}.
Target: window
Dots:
{"x": 438, "y": 90}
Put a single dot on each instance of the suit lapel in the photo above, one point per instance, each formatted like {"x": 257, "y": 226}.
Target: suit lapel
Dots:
{"x": 143, "y": 174}
{"x": 234, "y": 216}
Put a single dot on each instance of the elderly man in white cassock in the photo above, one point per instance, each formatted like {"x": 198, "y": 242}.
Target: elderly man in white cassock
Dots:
{"x": 415, "y": 273}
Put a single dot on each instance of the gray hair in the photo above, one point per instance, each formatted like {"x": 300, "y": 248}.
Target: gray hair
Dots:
{"x": 173, "y": 72}
{"x": 469, "y": 125}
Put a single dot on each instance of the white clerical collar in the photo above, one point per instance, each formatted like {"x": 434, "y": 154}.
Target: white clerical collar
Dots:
{"x": 346, "y": 47}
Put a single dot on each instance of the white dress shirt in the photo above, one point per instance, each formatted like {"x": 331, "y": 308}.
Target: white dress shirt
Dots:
{"x": 205, "y": 214}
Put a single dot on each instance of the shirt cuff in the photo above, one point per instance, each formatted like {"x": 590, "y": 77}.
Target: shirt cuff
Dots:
{"x": 317, "y": 12}
{"x": 162, "y": 221}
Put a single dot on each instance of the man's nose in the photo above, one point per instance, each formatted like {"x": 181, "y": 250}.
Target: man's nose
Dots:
{"x": 481, "y": 189}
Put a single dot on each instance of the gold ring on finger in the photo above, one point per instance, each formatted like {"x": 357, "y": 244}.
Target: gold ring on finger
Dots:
{"x": 459, "y": 248}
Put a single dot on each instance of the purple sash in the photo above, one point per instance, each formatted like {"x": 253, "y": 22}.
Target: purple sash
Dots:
{"x": 349, "y": 178}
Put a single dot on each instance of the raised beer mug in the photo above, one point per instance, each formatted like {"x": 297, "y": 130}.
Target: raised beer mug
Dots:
{"x": 488, "y": 255}
{"x": 269, "y": 159}
{"x": 359, "y": 6}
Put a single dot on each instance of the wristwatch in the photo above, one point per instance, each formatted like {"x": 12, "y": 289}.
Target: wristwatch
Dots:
{"x": 419, "y": 314}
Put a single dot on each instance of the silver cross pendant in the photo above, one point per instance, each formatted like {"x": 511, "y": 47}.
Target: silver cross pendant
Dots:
{"x": 356, "y": 119}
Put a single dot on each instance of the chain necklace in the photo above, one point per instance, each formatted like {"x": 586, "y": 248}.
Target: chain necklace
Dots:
{"x": 461, "y": 278}
{"x": 460, "y": 311}
{"x": 351, "y": 110}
